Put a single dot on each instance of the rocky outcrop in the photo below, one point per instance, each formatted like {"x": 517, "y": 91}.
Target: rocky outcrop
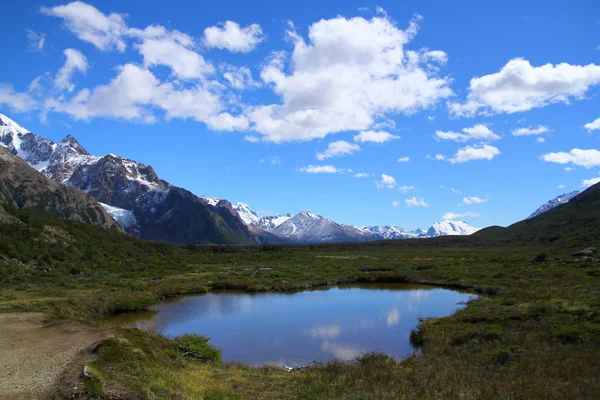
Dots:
{"x": 23, "y": 187}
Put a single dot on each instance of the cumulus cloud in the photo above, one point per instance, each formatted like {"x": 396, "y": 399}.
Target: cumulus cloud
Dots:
{"x": 520, "y": 86}
{"x": 395, "y": 203}
{"x": 338, "y": 148}
{"x": 404, "y": 159}
{"x": 91, "y": 25}
{"x": 561, "y": 186}
{"x": 324, "y": 169}
{"x": 374, "y": 137}
{"x": 349, "y": 73}
{"x": 451, "y": 215}
{"x": 593, "y": 126}
{"x": 239, "y": 78}
{"x": 414, "y": 202}
{"x": 530, "y": 131}
{"x": 473, "y": 200}
{"x": 386, "y": 181}
{"x": 227, "y": 122}
{"x": 476, "y": 132}
{"x": 230, "y": 36}
{"x": 160, "y": 47}
{"x": 36, "y": 40}
{"x": 134, "y": 93}
{"x": 471, "y": 153}
{"x": 590, "y": 182}
{"x": 583, "y": 158}
{"x": 405, "y": 188}
{"x": 540, "y": 140}
{"x": 361, "y": 175}
{"x": 75, "y": 61}
{"x": 20, "y": 102}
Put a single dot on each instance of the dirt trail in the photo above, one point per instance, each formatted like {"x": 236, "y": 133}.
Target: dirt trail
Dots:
{"x": 33, "y": 355}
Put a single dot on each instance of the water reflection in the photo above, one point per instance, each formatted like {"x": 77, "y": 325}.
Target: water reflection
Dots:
{"x": 296, "y": 328}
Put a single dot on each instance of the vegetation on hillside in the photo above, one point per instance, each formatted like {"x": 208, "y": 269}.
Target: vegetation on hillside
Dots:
{"x": 534, "y": 331}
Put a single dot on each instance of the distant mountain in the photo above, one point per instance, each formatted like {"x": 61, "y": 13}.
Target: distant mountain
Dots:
{"x": 161, "y": 211}
{"x": 562, "y": 199}
{"x": 21, "y": 186}
{"x": 443, "y": 228}
{"x": 272, "y": 222}
{"x": 247, "y": 215}
{"x": 306, "y": 227}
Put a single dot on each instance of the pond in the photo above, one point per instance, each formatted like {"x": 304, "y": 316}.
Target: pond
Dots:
{"x": 339, "y": 322}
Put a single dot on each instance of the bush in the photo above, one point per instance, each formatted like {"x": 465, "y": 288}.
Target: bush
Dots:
{"x": 543, "y": 256}
{"x": 196, "y": 346}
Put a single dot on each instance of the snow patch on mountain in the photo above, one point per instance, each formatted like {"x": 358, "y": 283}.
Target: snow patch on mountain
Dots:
{"x": 247, "y": 215}
{"x": 562, "y": 199}
{"x": 125, "y": 218}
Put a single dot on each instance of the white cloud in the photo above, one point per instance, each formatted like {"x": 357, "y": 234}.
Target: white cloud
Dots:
{"x": 476, "y": 132}
{"x": 326, "y": 332}
{"x": 477, "y": 152}
{"x": 386, "y": 181}
{"x": 562, "y": 186}
{"x": 393, "y": 317}
{"x": 439, "y": 157}
{"x": 530, "y": 131}
{"x": 338, "y": 148}
{"x": 405, "y": 188}
{"x": 404, "y": 159}
{"x": 540, "y": 140}
{"x": 324, "y": 169}
{"x": 239, "y": 78}
{"x": 350, "y": 73}
{"x": 519, "y": 86}
{"x": 75, "y": 62}
{"x": 230, "y": 36}
{"x": 251, "y": 139}
{"x": 593, "y": 126}
{"x": 36, "y": 41}
{"x": 590, "y": 182}
{"x": 455, "y": 191}
{"x": 361, "y": 175}
{"x": 395, "y": 203}
{"x": 135, "y": 92}
{"x": 569, "y": 169}
{"x": 473, "y": 200}
{"x": 451, "y": 215}
{"x": 414, "y": 202}
{"x": 270, "y": 160}
{"x": 168, "y": 51}
{"x": 227, "y": 122}
{"x": 374, "y": 137}
{"x": 16, "y": 101}
{"x": 91, "y": 25}
{"x": 583, "y": 158}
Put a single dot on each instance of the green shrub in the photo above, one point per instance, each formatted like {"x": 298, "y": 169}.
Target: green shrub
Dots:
{"x": 196, "y": 346}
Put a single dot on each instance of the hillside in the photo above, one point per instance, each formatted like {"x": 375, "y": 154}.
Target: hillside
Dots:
{"x": 23, "y": 187}
{"x": 574, "y": 222}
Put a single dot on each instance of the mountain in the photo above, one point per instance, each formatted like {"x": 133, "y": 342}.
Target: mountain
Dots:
{"x": 575, "y": 223}
{"x": 393, "y": 232}
{"x": 562, "y": 199}
{"x": 449, "y": 228}
{"x": 270, "y": 223}
{"x": 247, "y": 215}
{"x": 21, "y": 186}
{"x": 306, "y": 227}
{"x": 131, "y": 190}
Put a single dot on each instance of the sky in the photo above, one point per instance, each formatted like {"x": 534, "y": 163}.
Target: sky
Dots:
{"x": 389, "y": 113}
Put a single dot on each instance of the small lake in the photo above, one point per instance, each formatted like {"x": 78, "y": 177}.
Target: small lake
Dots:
{"x": 296, "y": 328}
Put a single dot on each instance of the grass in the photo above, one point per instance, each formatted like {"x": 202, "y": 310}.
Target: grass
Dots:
{"x": 534, "y": 332}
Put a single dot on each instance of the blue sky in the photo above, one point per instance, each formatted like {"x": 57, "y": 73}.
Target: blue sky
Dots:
{"x": 288, "y": 106}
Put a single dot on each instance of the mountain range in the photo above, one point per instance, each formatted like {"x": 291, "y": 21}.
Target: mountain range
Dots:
{"x": 146, "y": 206}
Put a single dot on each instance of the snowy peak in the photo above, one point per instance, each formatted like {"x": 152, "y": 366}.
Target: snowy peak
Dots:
{"x": 247, "y": 215}
{"x": 8, "y": 125}
{"x": 393, "y": 232}
{"x": 562, "y": 199}
{"x": 449, "y": 228}
{"x": 70, "y": 142}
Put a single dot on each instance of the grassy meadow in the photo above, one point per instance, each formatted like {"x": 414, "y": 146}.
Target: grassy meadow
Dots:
{"x": 533, "y": 332}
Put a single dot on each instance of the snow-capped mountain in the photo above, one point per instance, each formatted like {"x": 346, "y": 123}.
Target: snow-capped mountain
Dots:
{"x": 272, "y": 222}
{"x": 133, "y": 190}
{"x": 562, "y": 199}
{"x": 247, "y": 215}
{"x": 392, "y": 232}
{"x": 448, "y": 228}
{"x": 306, "y": 227}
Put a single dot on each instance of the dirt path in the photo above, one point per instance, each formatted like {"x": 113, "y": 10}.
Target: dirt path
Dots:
{"x": 33, "y": 355}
